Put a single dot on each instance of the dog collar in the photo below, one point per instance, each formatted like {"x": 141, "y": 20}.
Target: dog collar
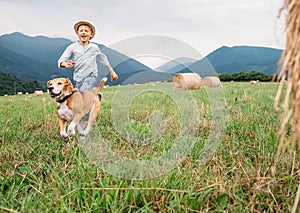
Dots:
{"x": 66, "y": 97}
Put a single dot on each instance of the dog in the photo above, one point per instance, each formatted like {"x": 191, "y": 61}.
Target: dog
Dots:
{"x": 77, "y": 107}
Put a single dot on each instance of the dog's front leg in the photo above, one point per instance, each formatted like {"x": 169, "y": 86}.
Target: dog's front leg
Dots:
{"x": 62, "y": 125}
{"x": 80, "y": 125}
{"x": 91, "y": 119}
{"x": 71, "y": 127}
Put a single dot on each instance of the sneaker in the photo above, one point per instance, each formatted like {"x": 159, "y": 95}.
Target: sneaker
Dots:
{"x": 100, "y": 96}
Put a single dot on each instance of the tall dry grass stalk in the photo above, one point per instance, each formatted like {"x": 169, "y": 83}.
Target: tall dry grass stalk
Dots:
{"x": 290, "y": 64}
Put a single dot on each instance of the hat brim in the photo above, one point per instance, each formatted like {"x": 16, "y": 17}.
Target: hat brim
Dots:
{"x": 78, "y": 24}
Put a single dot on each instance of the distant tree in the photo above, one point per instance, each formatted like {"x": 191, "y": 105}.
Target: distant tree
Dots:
{"x": 244, "y": 76}
{"x": 225, "y": 77}
{"x": 10, "y": 84}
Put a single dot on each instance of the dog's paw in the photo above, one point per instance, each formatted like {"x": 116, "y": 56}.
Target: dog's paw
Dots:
{"x": 85, "y": 132}
{"x": 71, "y": 129}
{"x": 63, "y": 134}
{"x": 82, "y": 136}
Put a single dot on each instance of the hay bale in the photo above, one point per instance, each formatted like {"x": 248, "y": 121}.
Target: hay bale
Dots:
{"x": 20, "y": 93}
{"x": 38, "y": 93}
{"x": 211, "y": 81}
{"x": 254, "y": 82}
{"x": 184, "y": 81}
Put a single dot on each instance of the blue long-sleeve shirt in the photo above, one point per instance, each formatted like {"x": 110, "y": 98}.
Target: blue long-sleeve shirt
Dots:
{"x": 85, "y": 60}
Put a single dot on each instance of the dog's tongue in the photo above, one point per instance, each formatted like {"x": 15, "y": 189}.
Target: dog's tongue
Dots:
{"x": 53, "y": 95}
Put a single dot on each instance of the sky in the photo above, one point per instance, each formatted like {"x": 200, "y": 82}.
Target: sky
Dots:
{"x": 202, "y": 24}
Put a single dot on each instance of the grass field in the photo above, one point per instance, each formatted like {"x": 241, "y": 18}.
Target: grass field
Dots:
{"x": 41, "y": 172}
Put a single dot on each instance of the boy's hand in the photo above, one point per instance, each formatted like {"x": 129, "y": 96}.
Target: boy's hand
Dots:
{"x": 113, "y": 76}
{"x": 67, "y": 64}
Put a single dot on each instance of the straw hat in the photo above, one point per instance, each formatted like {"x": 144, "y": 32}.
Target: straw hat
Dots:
{"x": 78, "y": 24}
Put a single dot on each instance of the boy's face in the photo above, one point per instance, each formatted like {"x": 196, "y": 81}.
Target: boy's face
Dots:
{"x": 84, "y": 33}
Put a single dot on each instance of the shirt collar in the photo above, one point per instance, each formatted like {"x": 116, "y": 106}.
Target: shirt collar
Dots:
{"x": 78, "y": 43}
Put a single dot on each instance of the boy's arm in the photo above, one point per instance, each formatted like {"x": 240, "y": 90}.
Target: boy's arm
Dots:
{"x": 113, "y": 75}
{"x": 64, "y": 60}
{"x": 103, "y": 59}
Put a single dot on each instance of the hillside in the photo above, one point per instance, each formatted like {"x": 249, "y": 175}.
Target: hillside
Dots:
{"x": 244, "y": 59}
{"x": 40, "y": 48}
{"x": 20, "y": 65}
{"x": 35, "y": 58}
{"x": 31, "y": 58}
{"x": 229, "y": 60}
{"x": 176, "y": 65}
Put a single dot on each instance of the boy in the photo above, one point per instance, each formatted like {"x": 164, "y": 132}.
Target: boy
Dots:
{"x": 82, "y": 55}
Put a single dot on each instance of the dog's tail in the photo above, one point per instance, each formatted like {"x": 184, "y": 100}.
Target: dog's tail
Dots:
{"x": 100, "y": 86}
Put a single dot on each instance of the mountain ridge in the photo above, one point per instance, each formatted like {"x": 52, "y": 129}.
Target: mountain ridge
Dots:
{"x": 43, "y": 52}
{"x": 229, "y": 60}
{"x": 35, "y": 58}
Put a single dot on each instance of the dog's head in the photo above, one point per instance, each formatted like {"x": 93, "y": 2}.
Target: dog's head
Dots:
{"x": 58, "y": 88}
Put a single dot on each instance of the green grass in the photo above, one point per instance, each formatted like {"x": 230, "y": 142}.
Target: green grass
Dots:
{"x": 41, "y": 172}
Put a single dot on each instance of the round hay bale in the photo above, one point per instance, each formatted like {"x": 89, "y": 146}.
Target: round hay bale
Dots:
{"x": 38, "y": 93}
{"x": 254, "y": 82}
{"x": 185, "y": 81}
{"x": 211, "y": 81}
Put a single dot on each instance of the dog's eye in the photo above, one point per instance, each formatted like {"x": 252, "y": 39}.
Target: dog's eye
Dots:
{"x": 59, "y": 83}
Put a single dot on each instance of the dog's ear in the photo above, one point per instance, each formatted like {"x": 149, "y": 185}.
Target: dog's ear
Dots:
{"x": 68, "y": 81}
{"x": 48, "y": 83}
{"x": 69, "y": 85}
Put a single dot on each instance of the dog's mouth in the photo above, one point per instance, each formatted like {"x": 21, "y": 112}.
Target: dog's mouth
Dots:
{"x": 54, "y": 95}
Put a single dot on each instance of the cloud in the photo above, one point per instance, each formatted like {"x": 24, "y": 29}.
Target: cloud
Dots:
{"x": 204, "y": 24}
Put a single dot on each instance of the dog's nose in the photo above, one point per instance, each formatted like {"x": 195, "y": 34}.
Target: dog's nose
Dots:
{"x": 50, "y": 88}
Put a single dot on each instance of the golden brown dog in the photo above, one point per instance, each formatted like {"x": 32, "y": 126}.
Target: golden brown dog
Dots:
{"x": 73, "y": 105}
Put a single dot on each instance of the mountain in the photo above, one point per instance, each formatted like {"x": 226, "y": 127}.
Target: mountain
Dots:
{"x": 175, "y": 65}
{"x": 40, "y": 48}
{"x": 231, "y": 60}
{"x": 31, "y": 58}
{"x": 245, "y": 59}
{"x": 14, "y": 63}
{"x": 35, "y": 58}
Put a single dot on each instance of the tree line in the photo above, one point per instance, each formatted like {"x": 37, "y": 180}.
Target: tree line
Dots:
{"x": 243, "y": 76}
{"x": 10, "y": 85}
